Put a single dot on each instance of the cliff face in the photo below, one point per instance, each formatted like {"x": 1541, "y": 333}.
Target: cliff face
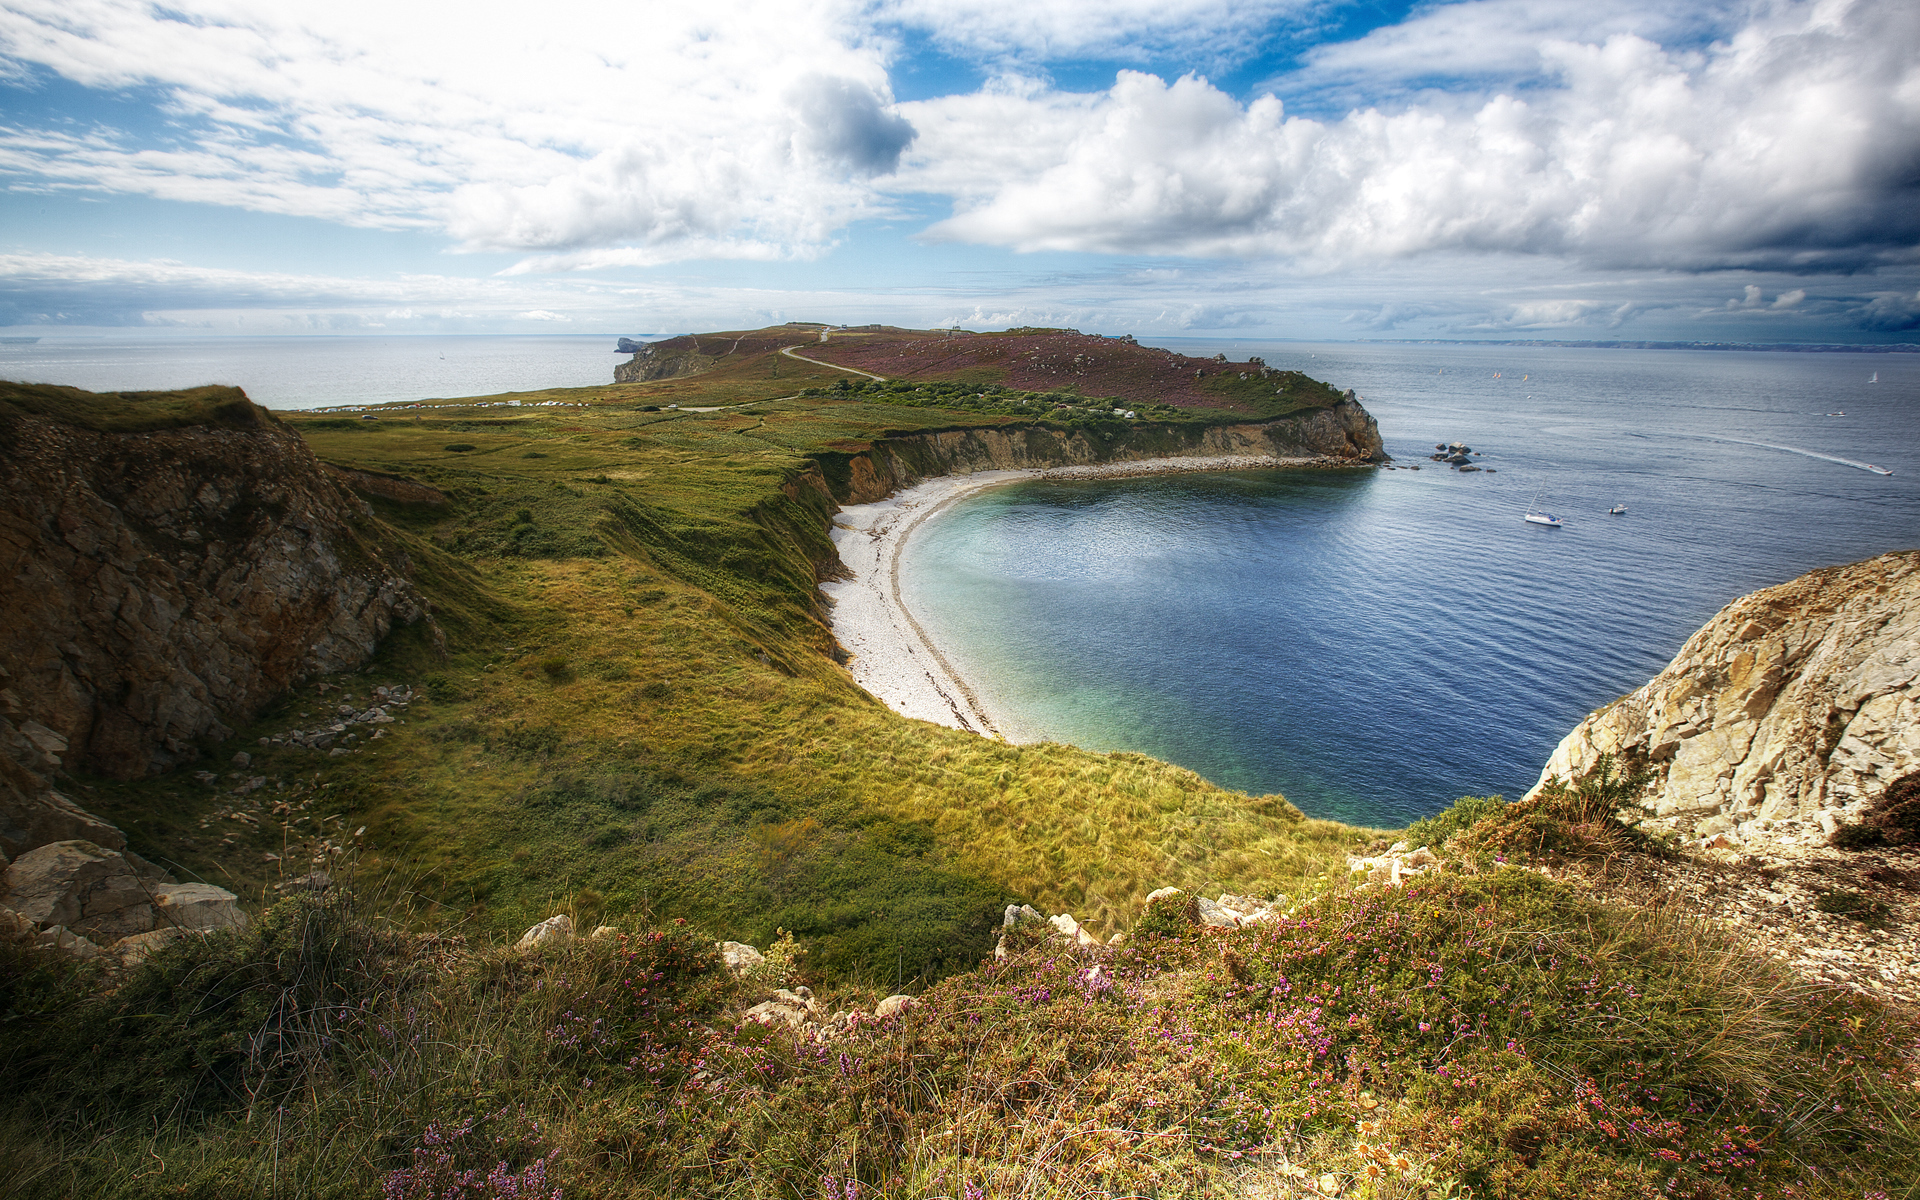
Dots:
{"x": 1785, "y": 716}
{"x": 161, "y": 582}
{"x": 1341, "y": 431}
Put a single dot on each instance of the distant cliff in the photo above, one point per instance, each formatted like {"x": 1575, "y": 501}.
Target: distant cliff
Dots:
{"x": 169, "y": 562}
{"x": 1787, "y": 715}
{"x": 1343, "y": 431}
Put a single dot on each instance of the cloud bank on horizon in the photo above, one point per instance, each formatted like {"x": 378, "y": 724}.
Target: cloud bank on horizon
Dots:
{"x": 1282, "y": 167}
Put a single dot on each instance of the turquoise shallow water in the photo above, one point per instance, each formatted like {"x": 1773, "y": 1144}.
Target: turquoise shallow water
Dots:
{"x": 1376, "y": 644}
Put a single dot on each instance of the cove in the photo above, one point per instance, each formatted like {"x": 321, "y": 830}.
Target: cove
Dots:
{"x": 1375, "y": 644}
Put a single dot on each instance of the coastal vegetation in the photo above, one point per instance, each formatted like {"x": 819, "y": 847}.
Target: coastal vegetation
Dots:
{"x": 627, "y": 710}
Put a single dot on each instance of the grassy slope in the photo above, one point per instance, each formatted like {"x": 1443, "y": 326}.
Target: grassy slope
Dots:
{"x": 641, "y": 717}
{"x": 638, "y": 721}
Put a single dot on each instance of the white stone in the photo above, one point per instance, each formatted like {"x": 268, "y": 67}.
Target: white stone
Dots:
{"x": 894, "y": 1006}
{"x": 77, "y": 884}
{"x": 197, "y": 906}
{"x": 553, "y": 929}
{"x": 740, "y": 957}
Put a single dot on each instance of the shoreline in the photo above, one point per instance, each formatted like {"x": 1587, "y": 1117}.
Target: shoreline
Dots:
{"x": 891, "y": 656}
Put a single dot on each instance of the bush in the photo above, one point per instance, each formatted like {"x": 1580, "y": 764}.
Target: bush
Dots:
{"x": 1169, "y": 916}
{"x": 1580, "y": 819}
{"x": 1850, "y": 904}
{"x": 1434, "y": 831}
{"x": 1893, "y": 819}
{"x": 460, "y": 447}
{"x": 221, "y": 1021}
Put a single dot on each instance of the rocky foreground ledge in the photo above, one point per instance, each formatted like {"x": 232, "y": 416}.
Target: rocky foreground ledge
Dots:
{"x": 1785, "y": 718}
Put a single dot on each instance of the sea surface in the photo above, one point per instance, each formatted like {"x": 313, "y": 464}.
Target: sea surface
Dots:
{"x": 318, "y": 372}
{"x": 1376, "y": 644}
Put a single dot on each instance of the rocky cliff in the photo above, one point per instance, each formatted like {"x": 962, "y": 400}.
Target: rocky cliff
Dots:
{"x": 1787, "y": 715}
{"x": 169, "y": 562}
{"x": 1344, "y": 431}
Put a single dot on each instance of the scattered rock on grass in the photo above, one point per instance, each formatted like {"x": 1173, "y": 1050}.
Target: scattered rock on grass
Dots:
{"x": 553, "y": 929}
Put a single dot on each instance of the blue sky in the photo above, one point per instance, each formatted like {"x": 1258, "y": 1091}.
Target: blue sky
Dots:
{"x": 1278, "y": 168}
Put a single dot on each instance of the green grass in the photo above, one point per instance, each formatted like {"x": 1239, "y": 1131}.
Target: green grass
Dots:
{"x": 1494, "y": 1035}
{"x": 636, "y": 719}
{"x": 135, "y": 412}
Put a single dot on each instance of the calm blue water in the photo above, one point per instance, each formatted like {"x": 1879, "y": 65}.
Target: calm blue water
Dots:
{"x": 1376, "y": 644}
{"x": 316, "y": 372}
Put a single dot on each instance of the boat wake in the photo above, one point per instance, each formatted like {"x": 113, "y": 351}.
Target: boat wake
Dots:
{"x": 1832, "y": 458}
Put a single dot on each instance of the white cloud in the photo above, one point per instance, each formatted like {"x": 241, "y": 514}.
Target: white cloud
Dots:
{"x": 1793, "y": 144}
{"x": 730, "y": 126}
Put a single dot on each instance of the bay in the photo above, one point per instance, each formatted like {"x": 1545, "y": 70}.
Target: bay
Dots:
{"x": 1375, "y": 644}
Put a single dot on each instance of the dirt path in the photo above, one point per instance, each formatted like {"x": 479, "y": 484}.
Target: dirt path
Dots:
{"x": 789, "y": 352}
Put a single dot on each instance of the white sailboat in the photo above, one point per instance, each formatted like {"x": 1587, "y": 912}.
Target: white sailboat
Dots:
{"x": 1540, "y": 516}
{"x": 1876, "y": 378}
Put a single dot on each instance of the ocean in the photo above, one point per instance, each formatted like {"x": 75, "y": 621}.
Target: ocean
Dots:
{"x": 1376, "y": 644}
{"x": 318, "y": 372}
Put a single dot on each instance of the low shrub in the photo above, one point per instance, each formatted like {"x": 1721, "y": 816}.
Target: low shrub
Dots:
{"x": 1437, "y": 830}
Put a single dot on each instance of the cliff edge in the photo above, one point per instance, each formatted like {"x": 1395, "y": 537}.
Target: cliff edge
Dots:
{"x": 169, "y": 562}
{"x": 1785, "y": 717}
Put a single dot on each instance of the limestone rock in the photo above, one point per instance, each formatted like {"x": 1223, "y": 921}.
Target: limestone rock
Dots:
{"x": 740, "y": 957}
{"x": 552, "y": 930}
{"x": 604, "y": 931}
{"x": 794, "y": 1008}
{"x": 1789, "y": 713}
{"x": 894, "y": 1006}
{"x": 62, "y": 940}
{"x": 84, "y": 887}
{"x": 199, "y": 906}
{"x": 1396, "y": 866}
{"x": 1019, "y": 914}
{"x": 139, "y": 947}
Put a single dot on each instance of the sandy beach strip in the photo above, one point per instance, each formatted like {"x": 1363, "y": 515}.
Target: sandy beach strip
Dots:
{"x": 891, "y": 654}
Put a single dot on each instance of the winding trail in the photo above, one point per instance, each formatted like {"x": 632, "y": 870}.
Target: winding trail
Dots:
{"x": 789, "y": 352}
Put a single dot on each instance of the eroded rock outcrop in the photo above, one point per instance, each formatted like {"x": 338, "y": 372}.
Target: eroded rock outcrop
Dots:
{"x": 165, "y": 579}
{"x": 1784, "y": 717}
{"x": 1343, "y": 432}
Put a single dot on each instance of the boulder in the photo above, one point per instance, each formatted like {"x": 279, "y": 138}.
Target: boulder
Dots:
{"x": 553, "y": 929}
{"x": 604, "y": 931}
{"x": 740, "y": 957}
{"x": 1019, "y": 914}
{"x": 91, "y": 890}
{"x": 1214, "y": 914}
{"x": 137, "y": 948}
{"x": 198, "y": 906}
{"x": 894, "y": 1006}
{"x": 795, "y": 1009}
{"x": 64, "y": 941}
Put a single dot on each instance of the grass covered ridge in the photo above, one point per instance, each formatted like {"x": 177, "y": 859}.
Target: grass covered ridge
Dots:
{"x": 1489, "y": 1034}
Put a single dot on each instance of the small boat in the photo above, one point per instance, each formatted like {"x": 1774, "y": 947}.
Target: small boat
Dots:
{"x": 1878, "y": 470}
{"x": 1617, "y": 510}
{"x": 1876, "y": 378}
{"x": 1539, "y": 516}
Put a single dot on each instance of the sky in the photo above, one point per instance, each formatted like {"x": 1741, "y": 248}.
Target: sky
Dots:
{"x": 1487, "y": 169}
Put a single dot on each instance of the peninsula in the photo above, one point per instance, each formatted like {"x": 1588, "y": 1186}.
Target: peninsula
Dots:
{"x": 486, "y": 801}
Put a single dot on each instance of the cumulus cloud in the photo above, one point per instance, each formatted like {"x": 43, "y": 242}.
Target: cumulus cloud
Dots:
{"x": 1795, "y": 143}
{"x": 729, "y": 128}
